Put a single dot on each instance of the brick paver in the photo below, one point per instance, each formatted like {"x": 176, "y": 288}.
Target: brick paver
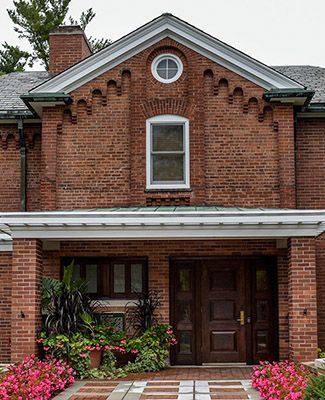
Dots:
{"x": 192, "y": 384}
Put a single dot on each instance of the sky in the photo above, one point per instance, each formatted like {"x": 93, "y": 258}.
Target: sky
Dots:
{"x": 276, "y": 32}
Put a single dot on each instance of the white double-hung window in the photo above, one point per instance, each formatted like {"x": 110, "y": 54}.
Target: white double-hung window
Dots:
{"x": 168, "y": 152}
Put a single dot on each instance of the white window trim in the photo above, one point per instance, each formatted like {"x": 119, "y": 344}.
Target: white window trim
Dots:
{"x": 157, "y": 60}
{"x": 168, "y": 119}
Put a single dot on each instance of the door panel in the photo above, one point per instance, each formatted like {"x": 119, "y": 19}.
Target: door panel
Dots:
{"x": 223, "y": 337}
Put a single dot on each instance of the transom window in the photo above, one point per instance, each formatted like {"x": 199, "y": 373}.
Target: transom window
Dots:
{"x": 167, "y": 152}
{"x": 167, "y": 68}
{"x": 121, "y": 278}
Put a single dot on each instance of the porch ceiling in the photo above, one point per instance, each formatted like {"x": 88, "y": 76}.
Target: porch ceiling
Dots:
{"x": 162, "y": 223}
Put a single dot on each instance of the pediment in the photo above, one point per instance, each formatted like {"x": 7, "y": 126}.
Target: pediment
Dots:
{"x": 167, "y": 26}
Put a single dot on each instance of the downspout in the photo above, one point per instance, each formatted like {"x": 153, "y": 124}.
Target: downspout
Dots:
{"x": 295, "y": 123}
{"x": 23, "y": 163}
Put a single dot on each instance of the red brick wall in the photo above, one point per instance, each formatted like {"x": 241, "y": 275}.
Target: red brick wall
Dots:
{"x": 310, "y": 163}
{"x": 94, "y": 153}
{"x": 158, "y": 253}
{"x": 27, "y": 272}
{"x": 5, "y": 306}
{"x": 10, "y": 167}
{"x": 67, "y": 49}
{"x": 310, "y": 144}
{"x": 302, "y": 296}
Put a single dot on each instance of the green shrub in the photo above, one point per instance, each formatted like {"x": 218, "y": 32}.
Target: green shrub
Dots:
{"x": 148, "y": 360}
{"x": 67, "y": 307}
{"x": 316, "y": 388}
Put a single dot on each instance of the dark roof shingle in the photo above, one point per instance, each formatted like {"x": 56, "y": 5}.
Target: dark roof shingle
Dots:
{"x": 13, "y": 85}
{"x": 312, "y": 77}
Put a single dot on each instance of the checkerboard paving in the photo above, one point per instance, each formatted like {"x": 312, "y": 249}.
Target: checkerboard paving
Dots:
{"x": 160, "y": 390}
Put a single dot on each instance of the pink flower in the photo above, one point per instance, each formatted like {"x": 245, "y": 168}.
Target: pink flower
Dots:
{"x": 35, "y": 379}
{"x": 285, "y": 380}
{"x": 83, "y": 355}
{"x": 46, "y": 348}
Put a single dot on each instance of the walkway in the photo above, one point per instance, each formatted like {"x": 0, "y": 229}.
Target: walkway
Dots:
{"x": 174, "y": 383}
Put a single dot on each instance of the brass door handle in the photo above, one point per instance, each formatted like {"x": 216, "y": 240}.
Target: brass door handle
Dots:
{"x": 241, "y": 318}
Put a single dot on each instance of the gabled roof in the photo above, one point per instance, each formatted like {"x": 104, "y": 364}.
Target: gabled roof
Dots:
{"x": 170, "y": 26}
{"x": 15, "y": 84}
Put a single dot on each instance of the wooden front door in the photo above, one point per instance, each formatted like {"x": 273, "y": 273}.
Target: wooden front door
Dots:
{"x": 224, "y": 310}
{"x": 223, "y": 303}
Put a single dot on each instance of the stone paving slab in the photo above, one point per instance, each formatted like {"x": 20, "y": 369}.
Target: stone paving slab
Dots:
{"x": 160, "y": 390}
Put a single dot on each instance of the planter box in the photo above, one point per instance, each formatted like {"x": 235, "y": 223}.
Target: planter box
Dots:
{"x": 320, "y": 363}
{"x": 314, "y": 368}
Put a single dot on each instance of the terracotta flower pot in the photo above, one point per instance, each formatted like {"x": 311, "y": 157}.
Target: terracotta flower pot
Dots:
{"x": 95, "y": 358}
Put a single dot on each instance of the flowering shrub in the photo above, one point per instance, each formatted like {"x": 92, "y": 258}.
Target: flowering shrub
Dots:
{"x": 76, "y": 349}
{"x": 35, "y": 379}
{"x": 149, "y": 351}
{"x": 280, "y": 381}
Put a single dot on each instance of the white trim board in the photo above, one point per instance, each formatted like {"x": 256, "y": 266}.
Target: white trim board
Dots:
{"x": 162, "y": 27}
{"x": 116, "y": 225}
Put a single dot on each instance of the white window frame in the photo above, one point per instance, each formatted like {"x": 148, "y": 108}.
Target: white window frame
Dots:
{"x": 159, "y": 58}
{"x": 168, "y": 119}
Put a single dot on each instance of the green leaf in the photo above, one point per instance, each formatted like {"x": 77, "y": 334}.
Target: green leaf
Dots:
{"x": 35, "y": 19}
{"x": 12, "y": 59}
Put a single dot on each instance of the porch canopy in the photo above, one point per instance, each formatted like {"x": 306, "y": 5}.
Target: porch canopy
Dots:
{"x": 161, "y": 223}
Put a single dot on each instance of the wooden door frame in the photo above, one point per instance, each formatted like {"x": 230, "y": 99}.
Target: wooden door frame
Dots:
{"x": 270, "y": 261}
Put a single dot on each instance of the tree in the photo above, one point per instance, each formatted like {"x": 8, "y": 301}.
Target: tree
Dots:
{"x": 35, "y": 19}
{"x": 12, "y": 59}
{"x": 85, "y": 18}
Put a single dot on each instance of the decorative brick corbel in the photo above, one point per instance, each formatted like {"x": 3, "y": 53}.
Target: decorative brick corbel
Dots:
{"x": 4, "y": 143}
{"x": 275, "y": 126}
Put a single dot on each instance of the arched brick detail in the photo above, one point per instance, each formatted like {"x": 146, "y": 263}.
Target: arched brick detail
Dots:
{"x": 165, "y": 106}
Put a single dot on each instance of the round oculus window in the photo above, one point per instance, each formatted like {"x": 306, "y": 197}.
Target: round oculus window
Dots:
{"x": 167, "y": 68}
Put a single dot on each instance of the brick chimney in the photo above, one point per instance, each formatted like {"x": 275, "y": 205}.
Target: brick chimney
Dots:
{"x": 68, "y": 45}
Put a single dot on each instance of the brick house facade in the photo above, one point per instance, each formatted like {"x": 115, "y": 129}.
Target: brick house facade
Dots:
{"x": 168, "y": 161}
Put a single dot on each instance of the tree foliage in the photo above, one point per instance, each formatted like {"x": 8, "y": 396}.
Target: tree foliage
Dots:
{"x": 34, "y": 20}
{"x": 12, "y": 59}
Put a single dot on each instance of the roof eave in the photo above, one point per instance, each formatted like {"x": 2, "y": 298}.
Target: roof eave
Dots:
{"x": 297, "y": 97}
{"x": 163, "y": 225}
{"x": 36, "y": 101}
{"x": 145, "y": 36}
{"x": 313, "y": 110}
